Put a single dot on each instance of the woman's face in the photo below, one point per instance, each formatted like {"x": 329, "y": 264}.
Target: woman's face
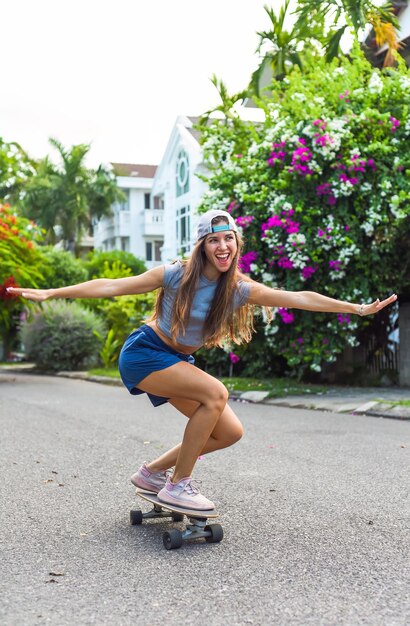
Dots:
{"x": 220, "y": 250}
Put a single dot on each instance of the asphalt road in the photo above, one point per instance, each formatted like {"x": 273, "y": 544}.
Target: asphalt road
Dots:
{"x": 315, "y": 508}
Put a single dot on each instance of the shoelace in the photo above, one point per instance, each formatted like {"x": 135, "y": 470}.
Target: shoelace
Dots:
{"x": 191, "y": 488}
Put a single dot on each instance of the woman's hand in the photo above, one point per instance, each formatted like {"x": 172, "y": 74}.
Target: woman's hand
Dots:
{"x": 37, "y": 295}
{"x": 376, "y": 306}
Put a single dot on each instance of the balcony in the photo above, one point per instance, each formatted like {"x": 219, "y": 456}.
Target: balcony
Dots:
{"x": 153, "y": 223}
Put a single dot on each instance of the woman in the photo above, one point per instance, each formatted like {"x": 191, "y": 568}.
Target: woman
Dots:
{"x": 201, "y": 302}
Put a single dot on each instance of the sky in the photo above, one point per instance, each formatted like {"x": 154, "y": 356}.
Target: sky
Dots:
{"x": 117, "y": 74}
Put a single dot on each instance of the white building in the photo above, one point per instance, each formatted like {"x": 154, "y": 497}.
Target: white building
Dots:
{"x": 136, "y": 224}
{"x": 178, "y": 189}
{"x": 157, "y": 220}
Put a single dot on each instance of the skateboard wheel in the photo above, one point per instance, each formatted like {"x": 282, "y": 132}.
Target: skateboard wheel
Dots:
{"x": 172, "y": 539}
{"x": 216, "y": 531}
{"x": 177, "y": 517}
{"x": 136, "y": 517}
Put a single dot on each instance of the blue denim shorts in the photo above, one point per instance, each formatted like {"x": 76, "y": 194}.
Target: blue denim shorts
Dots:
{"x": 144, "y": 352}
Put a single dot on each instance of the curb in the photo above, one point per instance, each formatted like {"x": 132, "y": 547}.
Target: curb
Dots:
{"x": 371, "y": 408}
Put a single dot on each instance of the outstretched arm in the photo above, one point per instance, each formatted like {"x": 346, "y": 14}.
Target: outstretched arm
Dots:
{"x": 98, "y": 288}
{"x": 311, "y": 301}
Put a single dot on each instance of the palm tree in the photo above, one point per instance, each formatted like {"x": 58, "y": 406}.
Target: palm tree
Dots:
{"x": 342, "y": 16}
{"x": 15, "y": 168}
{"x": 64, "y": 198}
{"x": 228, "y": 101}
{"x": 285, "y": 47}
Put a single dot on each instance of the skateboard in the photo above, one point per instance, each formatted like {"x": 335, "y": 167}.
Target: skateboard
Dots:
{"x": 174, "y": 538}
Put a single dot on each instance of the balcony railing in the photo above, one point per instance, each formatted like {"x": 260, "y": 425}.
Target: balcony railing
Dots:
{"x": 153, "y": 222}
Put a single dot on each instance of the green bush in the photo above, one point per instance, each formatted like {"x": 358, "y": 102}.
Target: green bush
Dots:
{"x": 97, "y": 261}
{"x": 61, "y": 268}
{"x": 60, "y": 336}
{"x": 125, "y": 313}
{"x": 321, "y": 191}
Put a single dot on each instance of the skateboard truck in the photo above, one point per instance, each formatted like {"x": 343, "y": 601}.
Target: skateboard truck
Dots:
{"x": 197, "y": 528}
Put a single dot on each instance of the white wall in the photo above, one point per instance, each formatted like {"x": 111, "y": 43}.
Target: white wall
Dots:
{"x": 165, "y": 184}
{"x": 130, "y": 229}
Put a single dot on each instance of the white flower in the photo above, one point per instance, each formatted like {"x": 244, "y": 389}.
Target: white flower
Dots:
{"x": 375, "y": 83}
{"x": 340, "y": 71}
{"x": 404, "y": 82}
{"x": 368, "y": 228}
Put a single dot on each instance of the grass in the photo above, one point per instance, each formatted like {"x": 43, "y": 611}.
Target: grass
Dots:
{"x": 12, "y": 363}
{"x": 277, "y": 387}
{"x": 396, "y": 402}
{"x": 111, "y": 372}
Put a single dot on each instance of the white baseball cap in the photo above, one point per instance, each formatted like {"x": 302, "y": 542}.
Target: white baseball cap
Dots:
{"x": 205, "y": 226}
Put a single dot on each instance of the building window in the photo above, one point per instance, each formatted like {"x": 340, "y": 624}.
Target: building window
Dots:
{"x": 157, "y": 250}
{"x": 183, "y": 232}
{"x": 182, "y": 174}
{"x": 159, "y": 202}
{"x": 125, "y": 244}
{"x": 148, "y": 250}
{"x": 147, "y": 201}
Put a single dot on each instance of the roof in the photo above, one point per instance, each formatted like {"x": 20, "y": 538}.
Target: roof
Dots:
{"x": 135, "y": 170}
{"x": 194, "y": 132}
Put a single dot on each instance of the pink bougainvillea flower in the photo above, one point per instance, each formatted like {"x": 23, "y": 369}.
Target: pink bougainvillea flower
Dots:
{"x": 244, "y": 220}
{"x": 370, "y": 163}
{"x": 336, "y": 266}
{"x": 344, "y": 96}
{"x": 285, "y": 263}
{"x": 234, "y": 358}
{"x": 287, "y": 317}
{"x": 323, "y": 140}
{"x": 231, "y": 206}
{"x": 343, "y": 319}
{"x": 323, "y": 189}
{"x": 308, "y": 271}
{"x": 246, "y": 261}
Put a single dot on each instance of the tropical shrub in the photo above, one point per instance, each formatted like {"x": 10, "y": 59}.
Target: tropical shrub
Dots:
{"x": 61, "y": 268}
{"x": 321, "y": 191}
{"x": 61, "y": 336}
{"x": 19, "y": 265}
{"x": 96, "y": 262}
{"x": 123, "y": 314}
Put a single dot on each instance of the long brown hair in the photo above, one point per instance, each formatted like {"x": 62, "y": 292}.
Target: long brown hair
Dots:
{"x": 222, "y": 322}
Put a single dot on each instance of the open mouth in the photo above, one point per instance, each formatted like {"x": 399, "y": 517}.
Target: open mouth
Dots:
{"x": 223, "y": 258}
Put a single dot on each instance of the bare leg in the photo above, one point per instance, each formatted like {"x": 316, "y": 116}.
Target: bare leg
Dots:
{"x": 184, "y": 380}
{"x": 228, "y": 430}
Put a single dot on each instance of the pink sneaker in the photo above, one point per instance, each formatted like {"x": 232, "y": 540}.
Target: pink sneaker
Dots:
{"x": 184, "y": 494}
{"x": 151, "y": 481}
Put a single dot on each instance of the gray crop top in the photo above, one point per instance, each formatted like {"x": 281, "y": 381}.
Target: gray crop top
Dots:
{"x": 200, "y": 305}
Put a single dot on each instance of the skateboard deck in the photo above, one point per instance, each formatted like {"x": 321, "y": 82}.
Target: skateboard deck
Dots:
{"x": 174, "y": 538}
{"x": 153, "y": 498}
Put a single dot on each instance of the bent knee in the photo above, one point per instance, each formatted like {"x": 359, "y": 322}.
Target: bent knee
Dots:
{"x": 218, "y": 396}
